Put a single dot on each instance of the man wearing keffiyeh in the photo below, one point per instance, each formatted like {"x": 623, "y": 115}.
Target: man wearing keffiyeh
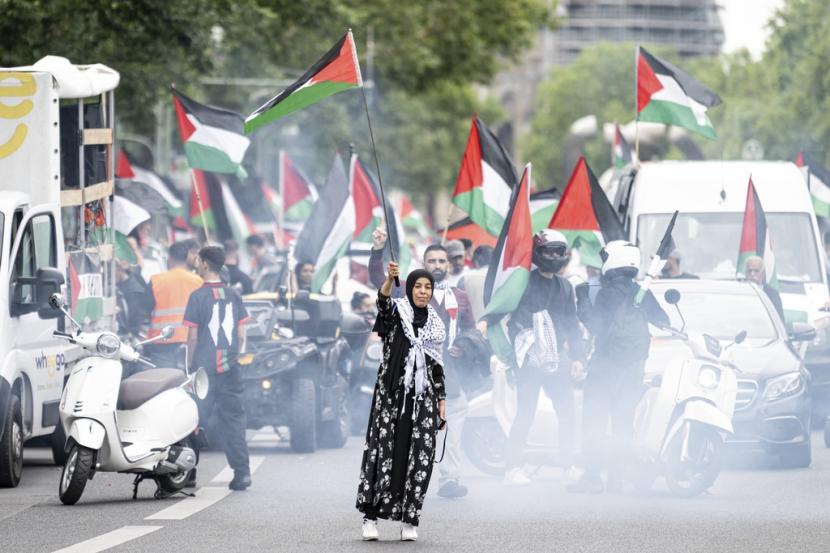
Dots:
{"x": 453, "y": 307}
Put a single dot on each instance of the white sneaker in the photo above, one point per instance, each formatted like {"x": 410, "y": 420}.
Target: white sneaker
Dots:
{"x": 516, "y": 477}
{"x": 370, "y": 530}
{"x": 408, "y": 532}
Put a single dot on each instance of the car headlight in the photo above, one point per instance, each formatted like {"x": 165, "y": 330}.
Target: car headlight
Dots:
{"x": 783, "y": 386}
{"x": 108, "y": 345}
{"x": 374, "y": 351}
{"x": 708, "y": 377}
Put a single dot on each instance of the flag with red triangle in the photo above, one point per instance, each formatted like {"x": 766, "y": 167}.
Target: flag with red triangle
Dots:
{"x": 336, "y": 71}
{"x": 412, "y": 220}
{"x": 620, "y": 151}
{"x": 818, "y": 182}
{"x": 485, "y": 180}
{"x": 755, "y": 239}
{"x": 585, "y": 216}
{"x": 298, "y": 194}
{"x": 507, "y": 278}
{"x": 666, "y": 94}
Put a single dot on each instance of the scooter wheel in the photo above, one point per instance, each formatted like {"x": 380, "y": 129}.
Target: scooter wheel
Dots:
{"x": 75, "y": 474}
{"x": 697, "y": 473}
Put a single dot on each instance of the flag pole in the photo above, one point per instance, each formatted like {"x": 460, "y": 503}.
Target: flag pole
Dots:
{"x": 380, "y": 179}
{"x": 199, "y": 202}
{"x": 636, "y": 113}
{"x": 281, "y": 188}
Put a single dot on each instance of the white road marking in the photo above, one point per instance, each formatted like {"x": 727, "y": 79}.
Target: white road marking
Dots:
{"x": 110, "y": 539}
{"x": 226, "y": 474}
{"x": 270, "y": 437}
{"x": 205, "y": 497}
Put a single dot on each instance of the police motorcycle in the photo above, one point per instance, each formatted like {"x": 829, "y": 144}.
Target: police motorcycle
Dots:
{"x": 296, "y": 369}
{"x": 367, "y": 351}
{"x": 685, "y": 414}
{"x": 137, "y": 426}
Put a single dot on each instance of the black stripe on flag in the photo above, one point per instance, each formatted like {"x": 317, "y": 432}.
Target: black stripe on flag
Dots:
{"x": 324, "y": 214}
{"x": 495, "y": 155}
{"x": 693, "y": 88}
{"x": 212, "y": 116}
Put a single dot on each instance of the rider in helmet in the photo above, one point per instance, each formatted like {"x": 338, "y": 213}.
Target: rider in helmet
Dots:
{"x": 618, "y": 319}
{"x": 549, "y": 350}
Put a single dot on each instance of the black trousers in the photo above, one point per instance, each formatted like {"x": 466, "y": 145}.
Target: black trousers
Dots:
{"x": 225, "y": 401}
{"x": 531, "y": 378}
{"x": 611, "y": 398}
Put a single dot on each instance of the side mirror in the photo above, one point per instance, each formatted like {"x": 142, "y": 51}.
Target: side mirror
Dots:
{"x": 802, "y": 332}
{"x": 672, "y": 296}
{"x": 739, "y": 339}
{"x": 48, "y": 283}
{"x": 167, "y": 332}
{"x": 56, "y": 301}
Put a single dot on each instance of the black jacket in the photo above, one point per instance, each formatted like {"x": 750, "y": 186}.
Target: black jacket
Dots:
{"x": 135, "y": 299}
{"x": 775, "y": 298}
{"x": 557, "y": 296}
{"x": 601, "y": 320}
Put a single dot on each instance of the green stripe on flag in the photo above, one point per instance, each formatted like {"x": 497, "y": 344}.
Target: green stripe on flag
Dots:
{"x": 671, "y": 113}
{"x": 208, "y": 158}
{"x": 480, "y": 213}
{"x": 322, "y": 273}
{"x": 506, "y": 297}
{"x": 301, "y": 98}
{"x": 300, "y": 211}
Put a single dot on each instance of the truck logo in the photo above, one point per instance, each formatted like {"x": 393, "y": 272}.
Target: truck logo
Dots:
{"x": 53, "y": 363}
{"x": 27, "y": 87}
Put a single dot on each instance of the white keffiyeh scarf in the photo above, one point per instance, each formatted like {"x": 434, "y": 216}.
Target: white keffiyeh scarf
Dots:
{"x": 430, "y": 341}
{"x": 538, "y": 343}
{"x": 445, "y": 296}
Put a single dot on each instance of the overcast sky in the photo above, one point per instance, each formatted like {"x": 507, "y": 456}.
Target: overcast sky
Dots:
{"x": 744, "y": 23}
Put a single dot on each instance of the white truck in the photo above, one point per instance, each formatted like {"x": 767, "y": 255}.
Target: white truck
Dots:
{"x": 56, "y": 185}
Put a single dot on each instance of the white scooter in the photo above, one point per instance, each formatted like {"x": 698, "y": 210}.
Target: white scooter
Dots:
{"x": 138, "y": 426}
{"x": 684, "y": 416}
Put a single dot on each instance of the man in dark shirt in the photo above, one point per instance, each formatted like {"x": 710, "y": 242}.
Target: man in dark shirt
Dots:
{"x": 236, "y": 276}
{"x": 672, "y": 268}
{"x": 215, "y": 316}
{"x": 756, "y": 272}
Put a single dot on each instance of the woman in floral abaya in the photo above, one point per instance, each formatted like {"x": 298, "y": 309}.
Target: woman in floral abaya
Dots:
{"x": 407, "y": 408}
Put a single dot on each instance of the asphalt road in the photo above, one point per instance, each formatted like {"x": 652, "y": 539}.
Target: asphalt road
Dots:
{"x": 306, "y": 503}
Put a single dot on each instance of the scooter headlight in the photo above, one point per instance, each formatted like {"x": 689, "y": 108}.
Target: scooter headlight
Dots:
{"x": 108, "y": 345}
{"x": 708, "y": 377}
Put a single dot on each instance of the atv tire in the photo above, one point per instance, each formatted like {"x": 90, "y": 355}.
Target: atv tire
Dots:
{"x": 334, "y": 433}
{"x": 303, "y": 423}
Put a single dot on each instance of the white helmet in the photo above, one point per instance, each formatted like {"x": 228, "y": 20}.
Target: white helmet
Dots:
{"x": 622, "y": 255}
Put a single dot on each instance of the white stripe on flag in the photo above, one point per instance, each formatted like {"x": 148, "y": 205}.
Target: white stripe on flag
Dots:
{"x": 229, "y": 142}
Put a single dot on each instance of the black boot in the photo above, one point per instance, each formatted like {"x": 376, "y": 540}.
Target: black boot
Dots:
{"x": 241, "y": 481}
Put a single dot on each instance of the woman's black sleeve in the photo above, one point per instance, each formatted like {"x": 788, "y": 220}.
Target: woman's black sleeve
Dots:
{"x": 385, "y": 320}
{"x": 438, "y": 381}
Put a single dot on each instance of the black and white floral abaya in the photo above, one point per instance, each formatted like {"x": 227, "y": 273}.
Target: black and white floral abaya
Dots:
{"x": 400, "y": 440}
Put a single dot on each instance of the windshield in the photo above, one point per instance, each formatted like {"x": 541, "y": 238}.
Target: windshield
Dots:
{"x": 720, "y": 315}
{"x": 708, "y": 243}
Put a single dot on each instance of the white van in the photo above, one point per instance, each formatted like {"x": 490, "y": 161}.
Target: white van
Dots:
{"x": 711, "y": 198}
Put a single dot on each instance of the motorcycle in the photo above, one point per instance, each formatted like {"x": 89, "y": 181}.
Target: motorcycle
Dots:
{"x": 138, "y": 426}
{"x": 685, "y": 415}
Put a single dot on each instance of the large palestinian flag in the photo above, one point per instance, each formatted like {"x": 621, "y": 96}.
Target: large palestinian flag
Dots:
{"x": 485, "y": 180}
{"x": 666, "y": 94}
{"x": 818, "y": 182}
{"x": 126, "y": 216}
{"x": 298, "y": 194}
{"x": 336, "y": 71}
{"x": 213, "y": 137}
{"x": 507, "y": 279}
{"x": 755, "y": 237}
{"x": 368, "y": 209}
{"x": 542, "y": 207}
{"x": 585, "y": 216}
{"x": 620, "y": 151}
{"x": 328, "y": 231}
{"x": 411, "y": 219}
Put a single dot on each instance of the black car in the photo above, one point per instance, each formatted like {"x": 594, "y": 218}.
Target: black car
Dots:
{"x": 296, "y": 369}
{"x": 772, "y": 402}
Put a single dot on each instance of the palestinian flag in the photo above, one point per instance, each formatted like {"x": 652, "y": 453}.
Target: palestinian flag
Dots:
{"x": 664, "y": 250}
{"x": 127, "y": 171}
{"x": 542, "y": 207}
{"x": 126, "y": 216}
{"x": 328, "y": 231}
{"x": 411, "y": 219}
{"x": 465, "y": 228}
{"x": 818, "y": 182}
{"x": 755, "y": 237}
{"x": 201, "y": 202}
{"x": 585, "y": 216}
{"x": 239, "y": 223}
{"x": 86, "y": 288}
{"x": 485, "y": 180}
{"x": 666, "y": 94}
{"x": 213, "y": 138}
{"x": 507, "y": 280}
{"x": 368, "y": 209}
{"x": 336, "y": 71}
{"x": 297, "y": 191}
{"x": 620, "y": 151}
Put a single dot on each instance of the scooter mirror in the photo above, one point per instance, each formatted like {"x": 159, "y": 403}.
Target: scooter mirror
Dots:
{"x": 672, "y": 296}
{"x": 201, "y": 384}
{"x": 167, "y": 332}
{"x": 740, "y": 337}
{"x": 56, "y": 301}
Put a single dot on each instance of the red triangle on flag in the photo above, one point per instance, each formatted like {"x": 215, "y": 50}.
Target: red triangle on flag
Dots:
{"x": 647, "y": 82}
{"x": 470, "y": 175}
{"x": 575, "y": 210}
{"x": 123, "y": 169}
{"x": 363, "y": 193}
{"x": 518, "y": 246}
{"x": 294, "y": 185}
{"x": 343, "y": 68}
{"x": 186, "y": 128}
